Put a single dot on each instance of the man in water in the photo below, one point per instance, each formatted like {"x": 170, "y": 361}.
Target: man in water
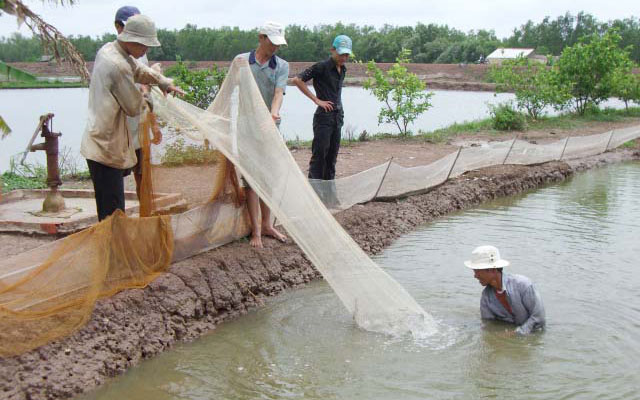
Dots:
{"x": 270, "y": 73}
{"x": 506, "y": 297}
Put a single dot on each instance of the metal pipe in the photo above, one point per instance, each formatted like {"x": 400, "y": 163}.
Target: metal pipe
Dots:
{"x": 53, "y": 202}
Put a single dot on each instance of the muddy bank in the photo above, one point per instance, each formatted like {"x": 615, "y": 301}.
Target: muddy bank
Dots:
{"x": 471, "y": 77}
{"x": 199, "y": 293}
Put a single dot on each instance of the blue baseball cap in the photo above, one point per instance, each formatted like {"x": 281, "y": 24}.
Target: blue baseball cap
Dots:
{"x": 123, "y": 13}
{"x": 342, "y": 44}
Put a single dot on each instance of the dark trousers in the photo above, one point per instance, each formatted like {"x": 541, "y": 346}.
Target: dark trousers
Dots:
{"x": 327, "y": 127}
{"x": 108, "y": 185}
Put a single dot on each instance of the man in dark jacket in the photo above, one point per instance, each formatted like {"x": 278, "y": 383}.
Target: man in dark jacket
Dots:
{"x": 328, "y": 77}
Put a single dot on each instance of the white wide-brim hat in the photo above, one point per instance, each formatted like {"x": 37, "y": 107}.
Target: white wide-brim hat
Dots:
{"x": 486, "y": 257}
{"x": 140, "y": 29}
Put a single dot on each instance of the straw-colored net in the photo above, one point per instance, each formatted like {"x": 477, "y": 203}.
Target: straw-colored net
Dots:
{"x": 54, "y": 292}
{"x": 191, "y": 201}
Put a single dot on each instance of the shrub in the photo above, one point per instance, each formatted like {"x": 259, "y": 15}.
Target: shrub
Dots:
{"x": 506, "y": 118}
{"x": 178, "y": 153}
{"x": 201, "y": 86}
{"x": 401, "y": 91}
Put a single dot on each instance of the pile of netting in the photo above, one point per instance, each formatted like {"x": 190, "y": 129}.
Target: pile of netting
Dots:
{"x": 49, "y": 292}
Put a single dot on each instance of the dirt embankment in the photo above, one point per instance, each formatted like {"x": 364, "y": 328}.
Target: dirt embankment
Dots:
{"x": 470, "y": 77}
{"x": 197, "y": 294}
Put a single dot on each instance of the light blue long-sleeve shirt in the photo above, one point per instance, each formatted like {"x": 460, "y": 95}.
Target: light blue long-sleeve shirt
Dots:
{"x": 525, "y": 302}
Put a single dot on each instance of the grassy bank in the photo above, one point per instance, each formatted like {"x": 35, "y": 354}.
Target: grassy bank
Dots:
{"x": 567, "y": 121}
{"x": 41, "y": 85}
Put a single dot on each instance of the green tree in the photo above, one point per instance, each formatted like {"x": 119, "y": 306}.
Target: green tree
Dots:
{"x": 402, "y": 92}
{"x": 588, "y": 68}
{"x": 626, "y": 86}
{"x": 534, "y": 85}
{"x": 201, "y": 86}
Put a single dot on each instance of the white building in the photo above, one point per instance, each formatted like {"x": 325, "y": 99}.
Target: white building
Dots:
{"x": 501, "y": 54}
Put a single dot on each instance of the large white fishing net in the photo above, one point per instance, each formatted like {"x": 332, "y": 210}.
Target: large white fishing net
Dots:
{"x": 239, "y": 125}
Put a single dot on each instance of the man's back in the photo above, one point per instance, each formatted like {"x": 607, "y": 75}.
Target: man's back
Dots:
{"x": 112, "y": 96}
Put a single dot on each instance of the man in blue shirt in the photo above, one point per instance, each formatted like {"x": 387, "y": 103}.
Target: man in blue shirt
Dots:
{"x": 328, "y": 78}
{"x": 270, "y": 73}
{"x": 506, "y": 297}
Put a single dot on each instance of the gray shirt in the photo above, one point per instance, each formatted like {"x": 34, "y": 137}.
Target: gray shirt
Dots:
{"x": 522, "y": 296}
{"x": 269, "y": 76}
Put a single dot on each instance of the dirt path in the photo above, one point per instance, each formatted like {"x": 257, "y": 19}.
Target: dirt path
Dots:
{"x": 197, "y": 294}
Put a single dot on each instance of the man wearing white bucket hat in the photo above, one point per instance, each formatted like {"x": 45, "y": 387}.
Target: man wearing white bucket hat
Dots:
{"x": 506, "y": 297}
{"x": 107, "y": 143}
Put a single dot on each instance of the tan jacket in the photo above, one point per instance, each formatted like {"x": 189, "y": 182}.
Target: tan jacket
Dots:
{"x": 113, "y": 96}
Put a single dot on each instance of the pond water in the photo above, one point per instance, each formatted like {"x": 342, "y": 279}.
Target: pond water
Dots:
{"x": 22, "y": 108}
{"x": 578, "y": 242}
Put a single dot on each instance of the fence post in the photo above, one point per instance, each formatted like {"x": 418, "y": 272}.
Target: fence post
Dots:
{"x": 382, "y": 180}
{"x": 510, "y": 148}
{"x": 454, "y": 163}
{"x": 564, "y": 148}
{"x": 609, "y": 142}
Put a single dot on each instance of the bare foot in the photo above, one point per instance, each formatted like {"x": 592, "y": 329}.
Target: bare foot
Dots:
{"x": 256, "y": 241}
{"x": 271, "y": 231}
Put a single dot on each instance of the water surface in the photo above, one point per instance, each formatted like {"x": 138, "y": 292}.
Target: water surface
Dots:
{"x": 22, "y": 108}
{"x": 578, "y": 241}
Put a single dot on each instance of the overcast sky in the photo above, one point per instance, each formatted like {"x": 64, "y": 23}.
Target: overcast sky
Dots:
{"x": 95, "y": 17}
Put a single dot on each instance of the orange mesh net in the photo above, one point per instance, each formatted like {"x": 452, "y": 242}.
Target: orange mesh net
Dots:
{"x": 53, "y": 297}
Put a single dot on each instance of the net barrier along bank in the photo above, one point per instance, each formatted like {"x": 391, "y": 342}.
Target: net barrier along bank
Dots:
{"x": 49, "y": 292}
{"x": 390, "y": 180}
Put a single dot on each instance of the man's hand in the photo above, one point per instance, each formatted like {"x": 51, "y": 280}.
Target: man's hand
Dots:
{"x": 174, "y": 90}
{"x": 276, "y": 117}
{"x": 508, "y": 333}
{"x": 325, "y": 105}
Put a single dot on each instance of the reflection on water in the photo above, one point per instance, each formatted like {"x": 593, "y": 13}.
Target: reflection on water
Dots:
{"x": 22, "y": 108}
{"x": 578, "y": 241}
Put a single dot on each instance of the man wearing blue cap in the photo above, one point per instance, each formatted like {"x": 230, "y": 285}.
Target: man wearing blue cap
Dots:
{"x": 328, "y": 78}
{"x": 122, "y": 15}
{"x": 113, "y": 96}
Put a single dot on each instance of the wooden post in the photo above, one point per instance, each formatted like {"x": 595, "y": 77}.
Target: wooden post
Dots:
{"x": 510, "y": 148}
{"x": 564, "y": 148}
{"x": 609, "y": 142}
{"x": 454, "y": 163}
{"x": 383, "y": 176}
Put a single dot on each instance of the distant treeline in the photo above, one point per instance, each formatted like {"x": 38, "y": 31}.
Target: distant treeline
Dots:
{"x": 428, "y": 43}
